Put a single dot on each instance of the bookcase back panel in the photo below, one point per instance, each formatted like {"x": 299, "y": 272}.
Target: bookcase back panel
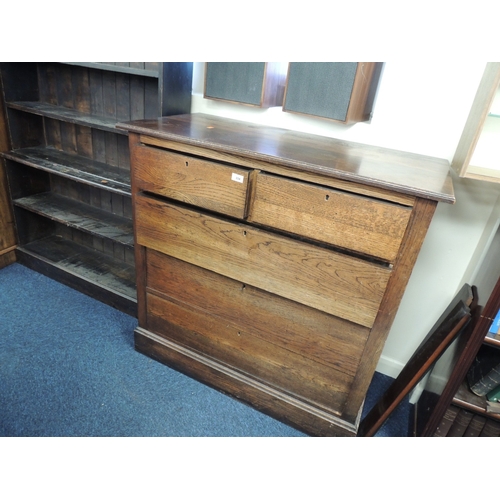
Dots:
{"x": 106, "y": 147}
{"x": 118, "y": 96}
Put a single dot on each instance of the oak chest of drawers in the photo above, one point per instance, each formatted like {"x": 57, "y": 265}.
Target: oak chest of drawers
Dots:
{"x": 270, "y": 264}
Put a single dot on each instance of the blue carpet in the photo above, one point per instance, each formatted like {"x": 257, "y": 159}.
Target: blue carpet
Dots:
{"x": 68, "y": 368}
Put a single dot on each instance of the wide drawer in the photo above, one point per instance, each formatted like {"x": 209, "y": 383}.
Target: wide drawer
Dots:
{"x": 303, "y": 330}
{"x": 338, "y": 284}
{"x": 369, "y": 226}
{"x": 203, "y": 183}
{"x": 303, "y": 352}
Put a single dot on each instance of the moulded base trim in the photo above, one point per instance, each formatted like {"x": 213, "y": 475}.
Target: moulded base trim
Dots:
{"x": 262, "y": 397}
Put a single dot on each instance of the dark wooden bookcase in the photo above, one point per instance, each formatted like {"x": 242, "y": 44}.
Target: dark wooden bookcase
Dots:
{"x": 7, "y": 233}
{"x": 464, "y": 398}
{"x": 69, "y": 167}
{"x": 456, "y": 411}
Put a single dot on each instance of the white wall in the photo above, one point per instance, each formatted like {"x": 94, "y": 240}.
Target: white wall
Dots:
{"x": 421, "y": 107}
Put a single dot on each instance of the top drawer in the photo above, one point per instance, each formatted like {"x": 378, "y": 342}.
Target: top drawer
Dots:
{"x": 203, "y": 183}
{"x": 369, "y": 226}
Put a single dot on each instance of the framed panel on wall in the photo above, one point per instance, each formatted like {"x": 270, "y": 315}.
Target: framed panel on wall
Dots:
{"x": 259, "y": 84}
{"x": 340, "y": 91}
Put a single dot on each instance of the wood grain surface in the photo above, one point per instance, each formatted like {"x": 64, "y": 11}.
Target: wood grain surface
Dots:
{"x": 281, "y": 293}
{"x": 402, "y": 172}
{"x": 199, "y": 182}
{"x": 304, "y": 330}
{"x": 349, "y": 221}
{"x": 7, "y": 224}
{"x": 331, "y": 282}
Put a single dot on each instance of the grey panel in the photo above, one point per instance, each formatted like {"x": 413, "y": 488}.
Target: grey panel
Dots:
{"x": 320, "y": 89}
{"x": 235, "y": 81}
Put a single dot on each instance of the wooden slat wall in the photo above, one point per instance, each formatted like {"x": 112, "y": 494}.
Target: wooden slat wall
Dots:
{"x": 99, "y": 93}
{"x": 111, "y": 202}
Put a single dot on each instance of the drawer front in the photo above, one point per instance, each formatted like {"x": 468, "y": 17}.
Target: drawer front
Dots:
{"x": 233, "y": 346}
{"x": 241, "y": 327}
{"x": 202, "y": 183}
{"x": 354, "y": 222}
{"x": 302, "y": 330}
{"x": 341, "y": 285}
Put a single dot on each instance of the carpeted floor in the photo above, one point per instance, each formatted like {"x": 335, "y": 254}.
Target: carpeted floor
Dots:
{"x": 68, "y": 368}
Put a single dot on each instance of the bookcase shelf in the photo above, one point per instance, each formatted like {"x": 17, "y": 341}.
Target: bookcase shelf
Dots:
{"x": 466, "y": 399}
{"x": 83, "y": 268}
{"x": 77, "y": 168}
{"x": 493, "y": 340}
{"x": 150, "y": 70}
{"x": 68, "y": 165}
{"x": 79, "y": 216}
{"x": 67, "y": 115}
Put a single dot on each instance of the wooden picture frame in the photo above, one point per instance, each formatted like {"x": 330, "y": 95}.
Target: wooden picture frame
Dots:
{"x": 343, "y": 92}
{"x": 451, "y": 323}
{"x": 255, "y": 84}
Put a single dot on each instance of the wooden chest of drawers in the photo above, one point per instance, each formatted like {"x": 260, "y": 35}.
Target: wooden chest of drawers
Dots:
{"x": 270, "y": 264}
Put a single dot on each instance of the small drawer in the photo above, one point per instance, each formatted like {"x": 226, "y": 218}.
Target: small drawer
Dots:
{"x": 202, "y": 183}
{"x": 365, "y": 225}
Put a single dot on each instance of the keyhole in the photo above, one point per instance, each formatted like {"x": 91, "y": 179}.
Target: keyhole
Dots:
{"x": 187, "y": 164}
{"x": 327, "y": 197}
{"x": 244, "y": 233}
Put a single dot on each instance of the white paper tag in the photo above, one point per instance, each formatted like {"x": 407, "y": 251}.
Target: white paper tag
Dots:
{"x": 237, "y": 177}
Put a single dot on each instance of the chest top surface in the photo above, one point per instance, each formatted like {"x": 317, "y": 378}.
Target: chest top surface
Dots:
{"x": 402, "y": 172}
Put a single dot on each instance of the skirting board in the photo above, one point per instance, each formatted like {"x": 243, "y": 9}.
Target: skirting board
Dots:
{"x": 388, "y": 366}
